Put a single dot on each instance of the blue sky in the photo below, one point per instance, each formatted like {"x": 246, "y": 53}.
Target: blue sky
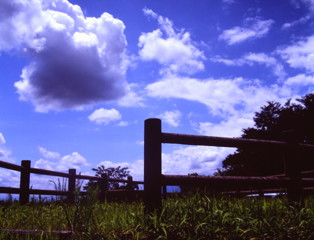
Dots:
{"x": 78, "y": 78}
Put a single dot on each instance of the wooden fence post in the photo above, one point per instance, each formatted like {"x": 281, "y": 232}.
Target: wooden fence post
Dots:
{"x": 293, "y": 168}
{"x": 152, "y": 165}
{"x": 130, "y": 189}
{"x": 71, "y": 184}
{"x": 129, "y": 185}
{"x": 24, "y": 181}
{"x": 164, "y": 191}
{"x": 103, "y": 186}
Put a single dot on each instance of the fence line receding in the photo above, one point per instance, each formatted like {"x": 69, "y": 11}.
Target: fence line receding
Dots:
{"x": 154, "y": 179}
{"x": 26, "y": 170}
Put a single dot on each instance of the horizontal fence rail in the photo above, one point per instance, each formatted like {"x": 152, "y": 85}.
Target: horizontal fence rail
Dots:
{"x": 226, "y": 142}
{"x": 24, "y": 190}
{"x": 291, "y": 181}
{"x": 10, "y": 166}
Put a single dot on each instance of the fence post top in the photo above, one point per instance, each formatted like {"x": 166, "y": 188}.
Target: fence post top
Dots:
{"x": 26, "y": 163}
{"x": 153, "y": 120}
{"x": 72, "y": 171}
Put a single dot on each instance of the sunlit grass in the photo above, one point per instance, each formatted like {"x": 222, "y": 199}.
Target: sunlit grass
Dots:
{"x": 190, "y": 217}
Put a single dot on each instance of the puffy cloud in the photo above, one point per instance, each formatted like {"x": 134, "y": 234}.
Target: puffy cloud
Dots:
{"x": 19, "y": 22}
{"x": 54, "y": 161}
{"x": 253, "y": 28}
{"x": 254, "y": 58}
{"x": 300, "y": 83}
{"x": 171, "y": 117}
{"x": 48, "y": 154}
{"x": 45, "y": 164}
{"x": 174, "y": 51}
{"x": 300, "y": 79}
{"x": 136, "y": 168}
{"x": 222, "y": 96}
{"x": 9, "y": 178}
{"x": 300, "y": 54}
{"x": 182, "y": 160}
{"x": 104, "y": 116}
{"x": 76, "y": 60}
{"x": 132, "y": 98}
{"x": 230, "y": 127}
{"x": 73, "y": 160}
{"x": 200, "y": 159}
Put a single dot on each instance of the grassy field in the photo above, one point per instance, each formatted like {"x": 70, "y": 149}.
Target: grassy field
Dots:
{"x": 190, "y": 217}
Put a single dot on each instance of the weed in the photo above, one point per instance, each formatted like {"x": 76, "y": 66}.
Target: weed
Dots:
{"x": 194, "y": 216}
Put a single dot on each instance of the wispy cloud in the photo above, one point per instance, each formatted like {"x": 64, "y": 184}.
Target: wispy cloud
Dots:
{"x": 302, "y": 20}
{"x": 254, "y": 58}
{"x": 4, "y": 152}
{"x": 252, "y": 29}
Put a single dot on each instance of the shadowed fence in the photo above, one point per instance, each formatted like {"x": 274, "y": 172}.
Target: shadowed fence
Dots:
{"x": 25, "y": 191}
{"x": 291, "y": 182}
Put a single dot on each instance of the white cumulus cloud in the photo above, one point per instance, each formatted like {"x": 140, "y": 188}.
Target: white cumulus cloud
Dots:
{"x": 54, "y": 161}
{"x": 76, "y": 61}
{"x": 200, "y": 159}
{"x": 175, "y": 51}
{"x": 229, "y": 127}
{"x": 222, "y": 96}
{"x": 171, "y": 117}
{"x": 300, "y": 54}
{"x": 136, "y": 168}
{"x": 105, "y": 116}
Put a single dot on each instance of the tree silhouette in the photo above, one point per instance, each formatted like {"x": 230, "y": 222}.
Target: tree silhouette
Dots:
{"x": 270, "y": 123}
{"x": 112, "y": 173}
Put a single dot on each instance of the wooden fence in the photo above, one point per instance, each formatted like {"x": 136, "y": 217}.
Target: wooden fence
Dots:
{"x": 291, "y": 182}
{"x": 26, "y": 170}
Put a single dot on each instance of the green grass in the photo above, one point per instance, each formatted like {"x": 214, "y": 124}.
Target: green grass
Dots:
{"x": 190, "y": 217}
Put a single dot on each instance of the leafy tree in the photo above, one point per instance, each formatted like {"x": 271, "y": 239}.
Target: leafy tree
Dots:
{"x": 270, "y": 123}
{"x": 112, "y": 173}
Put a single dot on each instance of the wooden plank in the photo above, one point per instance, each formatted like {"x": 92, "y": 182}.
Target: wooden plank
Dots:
{"x": 152, "y": 165}
{"x": 219, "y": 141}
{"x": 293, "y": 167}
{"x": 9, "y": 190}
{"x": 24, "y": 182}
{"x": 48, "y": 192}
{"x": 49, "y": 172}
{"x": 86, "y": 177}
{"x": 220, "y": 183}
{"x": 71, "y": 184}
{"x": 10, "y": 166}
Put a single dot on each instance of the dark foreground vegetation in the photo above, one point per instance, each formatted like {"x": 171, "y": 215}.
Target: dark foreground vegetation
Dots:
{"x": 193, "y": 216}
